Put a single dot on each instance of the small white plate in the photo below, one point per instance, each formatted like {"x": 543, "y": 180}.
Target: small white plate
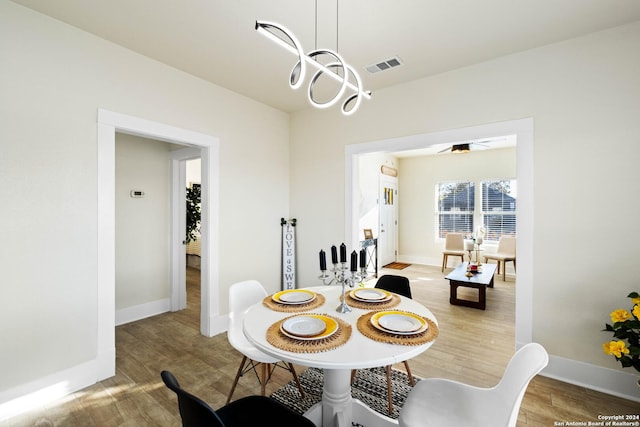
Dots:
{"x": 304, "y": 326}
{"x": 294, "y": 296}
{"x": 370, "y": 295}
{"x": 398, "y": 322}
{"x": 330, "y": 323}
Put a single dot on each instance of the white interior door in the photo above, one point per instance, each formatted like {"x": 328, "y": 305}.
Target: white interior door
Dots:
{"x": 388, "y": 220}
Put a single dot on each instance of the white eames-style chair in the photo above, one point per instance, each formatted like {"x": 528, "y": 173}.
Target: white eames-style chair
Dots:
{"x": 436, "y": 402}
{"x": 243, "y": 295}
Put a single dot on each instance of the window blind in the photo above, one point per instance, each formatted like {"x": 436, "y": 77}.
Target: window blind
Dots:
{"x": 499, "y": 208}
{"x": 456, "y": 206}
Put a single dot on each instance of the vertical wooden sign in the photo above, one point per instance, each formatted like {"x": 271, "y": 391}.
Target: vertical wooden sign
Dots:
{"x": 288, "y": 253}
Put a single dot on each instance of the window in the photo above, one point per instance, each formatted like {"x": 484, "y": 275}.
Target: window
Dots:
{"x": 499, "y": 208}
{"x": 456, "y": 205}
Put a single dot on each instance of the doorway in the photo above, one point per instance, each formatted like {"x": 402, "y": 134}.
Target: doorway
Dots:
{"x": 211, "y": 322}
{"x": 179, "y": 159}
{"x": 523, "y": 131}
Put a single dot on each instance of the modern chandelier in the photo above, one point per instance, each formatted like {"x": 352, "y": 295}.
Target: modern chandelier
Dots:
{"x": 325, "y": 62}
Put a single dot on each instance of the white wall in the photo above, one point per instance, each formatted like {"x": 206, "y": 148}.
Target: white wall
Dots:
{"x": 53, "y": 80}
{"x": 418, "y": 242}
{"x": 142, "y": 224}
{"x": 584, "y": 98}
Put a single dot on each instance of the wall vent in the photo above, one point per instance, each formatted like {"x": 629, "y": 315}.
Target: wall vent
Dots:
{"x": 387, "y": 64}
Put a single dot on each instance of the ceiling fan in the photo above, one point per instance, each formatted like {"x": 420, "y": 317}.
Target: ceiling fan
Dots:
{"x": 465, "y": 147}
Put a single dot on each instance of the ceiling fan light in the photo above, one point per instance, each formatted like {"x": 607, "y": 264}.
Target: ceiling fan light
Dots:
{"x": 460, "y": 148}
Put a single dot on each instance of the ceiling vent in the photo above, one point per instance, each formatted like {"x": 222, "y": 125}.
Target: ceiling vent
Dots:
{"x": 387, "y": 64}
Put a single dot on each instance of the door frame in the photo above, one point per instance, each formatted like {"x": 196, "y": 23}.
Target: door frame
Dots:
{"x": 108, "y": 124}
{"x": 523, "y": 129}
{"x": 388, "y": 182}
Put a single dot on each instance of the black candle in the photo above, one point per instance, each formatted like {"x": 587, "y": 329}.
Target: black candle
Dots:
{"x": 323, "y": 260}
{"x": 363, "y": 258}
{"x": 334, "y": 255}
{"x": 343, "y": 253}
{"x": 354, "y": 261}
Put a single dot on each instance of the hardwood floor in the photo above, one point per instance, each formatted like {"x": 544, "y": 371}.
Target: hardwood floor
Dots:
{"x": 474, "y": 346}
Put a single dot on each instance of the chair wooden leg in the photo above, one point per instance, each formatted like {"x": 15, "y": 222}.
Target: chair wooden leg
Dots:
{"x": 353, "y": 375}
{"x": 389, "y": 388}
{"x": 235, "y": 381}
{"x": 409, "y": 374}
{"x": 504, "y": 270}
{"x": 295, "y": 377}
{"x": 264, "y": 376}
{"x": 444, "y": 261}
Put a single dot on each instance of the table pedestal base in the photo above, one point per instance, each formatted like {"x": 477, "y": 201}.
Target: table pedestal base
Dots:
{"x": 339, "y": 409}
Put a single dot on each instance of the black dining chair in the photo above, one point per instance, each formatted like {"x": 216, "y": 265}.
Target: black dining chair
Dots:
{"x": 398, "y": 285}
{"x": 246, "y": 411}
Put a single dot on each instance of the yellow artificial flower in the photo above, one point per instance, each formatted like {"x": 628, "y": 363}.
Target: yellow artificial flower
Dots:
{"x": 636, "y": 311}
{"x": 635, "y": 300}
{"x": 615, "y": 348}
{"x": 620, "y": 315}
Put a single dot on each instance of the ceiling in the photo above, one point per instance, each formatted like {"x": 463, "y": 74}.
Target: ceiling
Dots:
{"x": 216, "y": 40}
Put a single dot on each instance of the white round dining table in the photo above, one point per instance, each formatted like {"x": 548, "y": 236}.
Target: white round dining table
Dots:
{"x": 337, "y": 407}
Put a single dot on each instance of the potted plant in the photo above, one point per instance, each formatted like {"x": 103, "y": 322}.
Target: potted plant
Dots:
{"x": 625, "y": 346}
{"x": 193, "y": 213}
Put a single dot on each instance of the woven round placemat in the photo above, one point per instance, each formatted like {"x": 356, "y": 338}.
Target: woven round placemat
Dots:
{"x": 368, "y": 330}
{"x": 351, "y": 301}
{"x": 293, "y": 308}
{"x": 276, "y": 338}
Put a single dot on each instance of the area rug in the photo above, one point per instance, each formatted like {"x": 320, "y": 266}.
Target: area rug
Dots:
{"x": 397, "y": 265}
{"x": 369, "y": 386}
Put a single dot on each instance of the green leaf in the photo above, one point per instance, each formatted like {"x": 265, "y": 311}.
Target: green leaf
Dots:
{"x": 621, "y": 333}
{"x": 626, "y": 361}
{"x": 632, "y": 324}
{"x": 633, "y": 295}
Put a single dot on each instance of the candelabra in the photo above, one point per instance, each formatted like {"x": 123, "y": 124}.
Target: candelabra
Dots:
{"x": 344, "y": 278}
{"x": 340, "y": 272}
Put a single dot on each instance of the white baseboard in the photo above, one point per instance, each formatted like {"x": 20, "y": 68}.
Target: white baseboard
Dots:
{"x": 605, "y": 380}
{"x": 38, "y": 393}
{"x": 142, "y": 311}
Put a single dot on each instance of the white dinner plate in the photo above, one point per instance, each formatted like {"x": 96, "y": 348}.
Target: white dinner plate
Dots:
{"x": 304, "y": 326}
{"x": 294, "y": 296}
{"x": 292, "y": 327}
{"x": 399, "y": 322}
{"x": 370, "y": 295}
